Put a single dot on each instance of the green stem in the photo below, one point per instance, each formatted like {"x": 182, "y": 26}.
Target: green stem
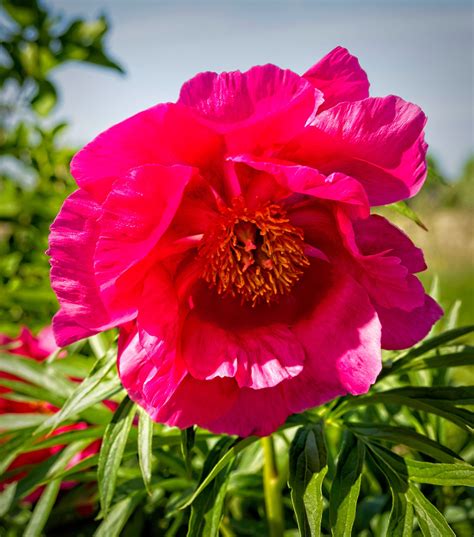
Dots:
{"x": 272, "y": 489}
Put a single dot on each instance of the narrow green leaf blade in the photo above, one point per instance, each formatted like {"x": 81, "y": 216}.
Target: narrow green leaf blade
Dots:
{"x": 145, "y": 443}
{"x": 111, "y": 451}
{"x": 346, "y": 486}
{"x": 223, "y": 461}
{"x": 43, "y": 509}
{"x": 114, "y": 522}
{"x": 432, "y": 522}
{"x": 402, "y": 207}
{"x": 206, "y": 510}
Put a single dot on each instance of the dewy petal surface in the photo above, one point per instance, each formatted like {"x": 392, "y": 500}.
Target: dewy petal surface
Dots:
{"x": 340, "y": 77}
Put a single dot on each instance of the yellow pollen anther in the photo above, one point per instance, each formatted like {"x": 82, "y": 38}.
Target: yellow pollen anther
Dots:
{"x": 256, "y": 255}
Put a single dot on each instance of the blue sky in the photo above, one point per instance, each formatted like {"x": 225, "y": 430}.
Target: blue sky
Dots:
{"x": 421, "y": 50}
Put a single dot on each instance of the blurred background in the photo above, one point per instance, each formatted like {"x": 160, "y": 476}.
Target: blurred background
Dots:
{"x": 69, "y": 70}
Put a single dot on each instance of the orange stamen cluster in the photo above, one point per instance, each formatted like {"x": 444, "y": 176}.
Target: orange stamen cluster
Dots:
{"x": 256, "y": 255}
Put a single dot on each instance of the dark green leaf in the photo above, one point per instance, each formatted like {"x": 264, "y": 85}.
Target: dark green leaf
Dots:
{"x": 407, "y": 437}
{"x": 187, "y": 443}
{"x": 222, "y": 463}
{"x": 346, "y": 486}
{"x": 432, "y": 522}
{"x": 206, "y": 510}
{"x": 307, "y": 469}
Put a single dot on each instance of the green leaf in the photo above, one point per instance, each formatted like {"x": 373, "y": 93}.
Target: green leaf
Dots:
{"x": 187, "y": 443}
{"x": 93, "y": 389}
{"x": 406, "y": 437}
{"x": 346, "y": 486}
{"x": 460, "y": 416}
{"x": 45, "y": 99}
{"x": 400, "y": 523}
{"x": 432, "y": 522}
{"x": 43, "y": 509}
{"x": 461, "y": 395}
{"x": 145, "y": 443}
{"x": 455, "y": 359}
{"x": 206, "y": 510}
{"x": 404, "y": 209}
{"x": 111, "y": 451}
{"x": 307, "y": 469}
{"x": 401, "y": 515}
{"x": 48, "y": 470}
{"x": 37, "y": 373}
{"x": 222, "y": 463}
{"x": 114, "y": 522}
{"x": 9, "y": 422}
{"x": 458, "y": 474}
{"x": 437, "y": 341}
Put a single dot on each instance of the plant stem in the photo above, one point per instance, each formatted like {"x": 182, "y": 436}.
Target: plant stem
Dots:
{"x": 272, "y": 489}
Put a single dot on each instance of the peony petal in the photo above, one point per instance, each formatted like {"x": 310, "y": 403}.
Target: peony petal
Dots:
{"x": 71, "y": 247}
{"x": 389, "y": 283}
{"x": 401, "y": 329}
{"x": 161, "y": 386}
{"x": 158, "y": 312}
{"x": 340, "y": 77}
{"x": 375, "y": 235}
{"x": 257, "y": 358}
{"x": 387, "y": 280}
{"x": 341, "y": 338}
{"x": 135, "y": 215}
{"x": 254, "y": 412}
{"x": 308, "y": 181}
{"x": 378, "y": 141}
{"x": 164, "y": 134}
{"x": 256, "y": 109}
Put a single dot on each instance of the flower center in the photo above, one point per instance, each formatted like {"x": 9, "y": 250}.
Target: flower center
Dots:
{"x": 256, "y": 255}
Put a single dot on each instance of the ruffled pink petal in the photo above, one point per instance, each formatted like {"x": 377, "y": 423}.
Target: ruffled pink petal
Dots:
{"x": 387, "y": 280}
{"x": 257, "y": 358}
{"x": 164, "y": 134}
{"x": 401, "y": 329}
{"x": 158, "y": 312}
{"x": 254, "y": 412}
{"x": 340, "y": 77}
{"x": 376, "y": 234}
{"x": 256, "y": 109}
{"x": 341, "y": 338}
{"x": 135, "y": 215}
{"x": 378, "y": 141}
{"x": 71, "y": 247}
{"x": 308, "y": 181}
{"x": 150, "y": 380}
{"x": 389, "y": 283}
{"x": 164, "y": 389}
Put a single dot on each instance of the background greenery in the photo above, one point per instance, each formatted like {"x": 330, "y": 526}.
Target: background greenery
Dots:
{"x": 392, "y": 462}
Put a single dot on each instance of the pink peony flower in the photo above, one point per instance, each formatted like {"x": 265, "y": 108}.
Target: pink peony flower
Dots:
{"x": 37, "y": 348}
{"x": 229, "y": 236}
